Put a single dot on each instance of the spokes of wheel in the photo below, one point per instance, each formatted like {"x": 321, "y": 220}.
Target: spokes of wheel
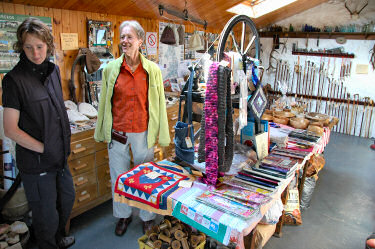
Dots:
{"x": 239, "y": 35}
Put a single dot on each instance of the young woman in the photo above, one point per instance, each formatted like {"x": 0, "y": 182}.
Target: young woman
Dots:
{"x": 35, "y": 118}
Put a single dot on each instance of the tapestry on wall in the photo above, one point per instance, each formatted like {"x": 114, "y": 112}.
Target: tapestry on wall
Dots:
{"x": 8, "y": 36}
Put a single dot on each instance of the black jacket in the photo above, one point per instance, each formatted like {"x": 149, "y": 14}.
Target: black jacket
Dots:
{"x": 42, "y": 115}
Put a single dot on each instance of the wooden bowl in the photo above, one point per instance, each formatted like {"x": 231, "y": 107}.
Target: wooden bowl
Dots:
{"x": 281, "y": 120}
{"x": 284, "y": 114}
{"x": 270, "y": 112}
{"x": 299, "y": 123}
{"x": 317, "y": 124}
{"x": 316, "y": 129}
{"x": 267, "y": 117}
{"x": 318, "y": 117}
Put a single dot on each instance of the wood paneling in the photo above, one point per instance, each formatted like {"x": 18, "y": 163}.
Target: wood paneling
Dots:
{"x": 214, "y": 12}
{"x": 75, "y": 21}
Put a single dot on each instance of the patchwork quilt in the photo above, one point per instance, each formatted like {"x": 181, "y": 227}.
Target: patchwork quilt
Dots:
{"x": 138, "y": 186}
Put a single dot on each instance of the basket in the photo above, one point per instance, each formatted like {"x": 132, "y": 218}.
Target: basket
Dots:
{"x": 318, "y": 117}
{"x": 17, "y": 206}
{"x": 299, "y": 123}
{"x": 142, "y": 243}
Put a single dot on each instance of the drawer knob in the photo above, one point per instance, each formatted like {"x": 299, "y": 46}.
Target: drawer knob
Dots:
{"x": 84, "y": 197}
{"x": 106, "y": 157}
{"x": 79, "y": 167}
{"x": 79, "y": 150}
{"x": 79, "y": 183}
{"x": 107, "y": 171}
{"x": 109, "y": 185}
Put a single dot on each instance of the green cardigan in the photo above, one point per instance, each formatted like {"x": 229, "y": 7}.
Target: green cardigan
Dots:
{"x": 157, "y": 122}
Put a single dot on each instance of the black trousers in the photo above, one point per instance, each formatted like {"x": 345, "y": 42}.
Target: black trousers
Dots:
{"x": 51, "y": 198}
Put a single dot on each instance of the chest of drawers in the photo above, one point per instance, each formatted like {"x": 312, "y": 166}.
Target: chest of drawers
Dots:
{"x": 88, "y": 163}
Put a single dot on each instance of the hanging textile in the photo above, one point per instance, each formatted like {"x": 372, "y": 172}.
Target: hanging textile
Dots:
{"x": 225, "y": 120}
{"x": 167, "y": 37}
{"x": 217, "y": 135}
{"x": 211, "y": 126}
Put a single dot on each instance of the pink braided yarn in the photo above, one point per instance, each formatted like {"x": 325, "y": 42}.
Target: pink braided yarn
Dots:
{"x": 211, "y": 126}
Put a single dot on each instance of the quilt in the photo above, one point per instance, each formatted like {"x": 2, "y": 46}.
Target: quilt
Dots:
{"x": 138, "y": 186}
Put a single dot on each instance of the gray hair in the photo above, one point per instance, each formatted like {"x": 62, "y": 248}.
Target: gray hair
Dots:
{"x": 136, "y": 26}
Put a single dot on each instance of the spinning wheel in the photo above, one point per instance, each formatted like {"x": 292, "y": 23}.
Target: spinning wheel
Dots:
{"x": 239, "y": 35}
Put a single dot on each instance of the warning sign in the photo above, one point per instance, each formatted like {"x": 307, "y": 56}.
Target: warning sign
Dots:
{"x": 151, "y": 43}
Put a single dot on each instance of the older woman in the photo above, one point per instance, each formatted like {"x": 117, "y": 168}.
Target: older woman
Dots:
{"x": 132, "y": 112}
{"x": 35, "y": 118}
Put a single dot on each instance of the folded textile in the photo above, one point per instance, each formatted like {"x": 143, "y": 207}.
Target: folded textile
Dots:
{"x": 137, "y": 184}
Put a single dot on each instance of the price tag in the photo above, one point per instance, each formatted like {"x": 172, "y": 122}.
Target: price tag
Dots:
{"x": 185, "y": 184}
{"x": 153, "y": 175}
{"x": 188, "y": 142}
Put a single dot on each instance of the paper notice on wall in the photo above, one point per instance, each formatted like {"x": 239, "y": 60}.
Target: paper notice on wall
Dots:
{"x": 151, "y": 43}
{"x": 69, "y": 41}
{"x": 361, "y": 69}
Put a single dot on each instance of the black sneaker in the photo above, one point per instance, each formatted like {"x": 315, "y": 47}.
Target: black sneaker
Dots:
{"x": 66, "y": 242}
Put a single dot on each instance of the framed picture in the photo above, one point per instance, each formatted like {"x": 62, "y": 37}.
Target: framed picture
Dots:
{"x": 100, "y": 36}
{"x": 257, "y": 103}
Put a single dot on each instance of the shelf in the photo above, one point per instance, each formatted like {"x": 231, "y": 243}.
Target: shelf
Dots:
{"x": 343, "y": 55}
{"x": 320, "y": 35}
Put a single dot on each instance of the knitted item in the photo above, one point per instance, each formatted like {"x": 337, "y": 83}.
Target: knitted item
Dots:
{"x": 202, "y": 138}
{"x": 222, "y": 97}
{"x": 229, "y": 148}
{"x": 225, "y": 120}
{"x": 211, "y": 126}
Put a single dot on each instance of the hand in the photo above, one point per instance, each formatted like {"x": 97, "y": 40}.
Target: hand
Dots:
{"x": 42, "y": 148}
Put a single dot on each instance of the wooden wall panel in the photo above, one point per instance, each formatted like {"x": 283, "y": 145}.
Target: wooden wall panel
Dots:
{"x": 8, "y": 8}
{"x": 29, "y": 10}
{"x": 19, "y": 9}
{"x": 69, "y": 21}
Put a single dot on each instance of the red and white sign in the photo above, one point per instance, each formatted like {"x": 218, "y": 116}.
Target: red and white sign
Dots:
{"x": 151, "y": 43}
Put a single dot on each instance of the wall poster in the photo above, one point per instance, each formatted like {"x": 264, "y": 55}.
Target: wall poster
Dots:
{"x": 8, "y": 36}
{"x": 170, "y": 56}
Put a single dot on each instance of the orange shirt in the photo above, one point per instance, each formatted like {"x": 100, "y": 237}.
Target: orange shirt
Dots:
{"x": 130, "y": 100}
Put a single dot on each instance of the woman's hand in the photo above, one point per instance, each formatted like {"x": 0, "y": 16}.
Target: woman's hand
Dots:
{"x": 12, "y": 131}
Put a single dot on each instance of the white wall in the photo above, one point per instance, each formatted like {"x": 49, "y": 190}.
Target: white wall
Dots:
{"x": 327, "y": 14}
{"x": 331, "y": 15}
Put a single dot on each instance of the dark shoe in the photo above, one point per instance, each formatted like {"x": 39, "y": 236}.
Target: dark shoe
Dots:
{"x": 122, "y": 225}
{"x": 66, "y": 242}
{"x": 147, "y": 225}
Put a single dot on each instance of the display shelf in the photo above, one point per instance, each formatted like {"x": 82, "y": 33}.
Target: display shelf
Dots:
{"x": 321, "y": 35}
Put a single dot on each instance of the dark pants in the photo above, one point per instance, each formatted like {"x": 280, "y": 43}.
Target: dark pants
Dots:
{"x": 51, "y": 198}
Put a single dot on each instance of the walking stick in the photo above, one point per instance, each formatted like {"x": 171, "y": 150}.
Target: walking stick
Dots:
{"x": 366, "y": 99}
